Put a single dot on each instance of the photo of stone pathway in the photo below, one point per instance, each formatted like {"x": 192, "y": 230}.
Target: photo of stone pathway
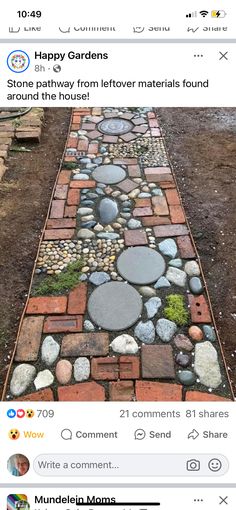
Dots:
{"x": 118, "y": 307}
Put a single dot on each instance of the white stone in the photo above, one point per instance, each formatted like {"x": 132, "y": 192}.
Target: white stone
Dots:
{"x": 165, "y": 329}
{"x": 152, "y": 306}
{"x": 206, "y": 365}
{"x": 81, "y": 369}
{"x": 43, "y": 379}
{"x": 50, "y": 350}
{"x": 22, "y": 377}
{"x": 176, "y": 276}
{"x": 192, "y": 268}
{"x": 124, "y": 344}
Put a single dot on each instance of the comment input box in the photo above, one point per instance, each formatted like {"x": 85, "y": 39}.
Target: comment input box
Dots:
{"x": 134, "y": 465}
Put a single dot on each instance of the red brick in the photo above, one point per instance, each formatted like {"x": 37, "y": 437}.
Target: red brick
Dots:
{"x": 129, "y": 367}
{"x": 153, "y": 123}
{"x": 160, "y": 178}
{"x": 84, "y": 184}
{"x": 77, "y": 299}
{"x": 29, "y": 340}
{"x": 151, "y": 221}
{"x": 61, "y": 191}
{"x": 125, "y": 161}
{"x": 157, "y": 362}
{"x": 70, "y": 211}
{"x": 151, "y": 115}
{"x": 121, "y": 391}
{"x": 73, "y": 197}
{"x": 199, "y": 309}
{"x": 105, "y": 369}
{"x": 170, "y": 230}
{"x": 64, "y": 177}
{"x": 185, "y": 247}
{"x": 57, "y": 209}
{"x": 47, "y": 305}
{"x": 63, "y": 324}
{"x": 128, "y": 137}
{"x": 134, "y": 170}
{"x": 59, "y": 233}
{"x": 110, "y": 139}
{"x": 158, "y": 392}
{"x": 61, "y": 223}
{"x": 155, "y": 132}
{"x": 82, "y": 145}
{"x": 89, "y": 126}
{"x": 135, "y": 237}
{"x": 167, "y": 185}
{"x": 177, "y": 214}
{"x": 75, "y": 126}
{"x": 85, "y": 344}
{"x": 198, "y": 396}
{"x": 93, "y": 134}
{"x": 157, "y": 170}
{"x": 143, "y": 202}
{"x": 160, "y": 206}
{"x": 83, "y": 392}
{"x": 127, "y": 185}
{"x": 72, "y": 142}
{"x": 70, "y": 159}
{"x": 172, "y": 197}
{"x": 96, "y": 111}
{"x": 142, "y": 211}
{"x": 93, "y": 148}
{"x": 45, "y": 395}
{"x": 140, "y": 129}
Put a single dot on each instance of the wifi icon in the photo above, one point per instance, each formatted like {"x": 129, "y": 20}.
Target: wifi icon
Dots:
{"x": 204, "y": 13}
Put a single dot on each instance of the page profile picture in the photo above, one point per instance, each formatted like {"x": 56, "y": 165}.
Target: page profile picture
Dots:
{"x": 18, "y": 464}
{"x": 17, "y": 502}
{"x": 18, "y": 61}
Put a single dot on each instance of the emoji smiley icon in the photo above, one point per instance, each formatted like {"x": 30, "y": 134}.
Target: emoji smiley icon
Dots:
{"x": 14, "y": 434}
{"x": 215, "y": 465}
{"x": 29, "y": 413}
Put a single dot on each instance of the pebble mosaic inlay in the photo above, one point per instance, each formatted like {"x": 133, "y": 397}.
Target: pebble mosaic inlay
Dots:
{"x": 118, "y": 308}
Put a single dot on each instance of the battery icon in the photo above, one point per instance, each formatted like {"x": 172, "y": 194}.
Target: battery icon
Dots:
{"x": 218, "y": 14}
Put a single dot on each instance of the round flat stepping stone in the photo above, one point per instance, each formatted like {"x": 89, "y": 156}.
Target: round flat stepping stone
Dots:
{"x": 109, "y": 174}
{"x": 115, "y": 126}
{"x": 115, "y": 306}
{"x": 141, "y": 265}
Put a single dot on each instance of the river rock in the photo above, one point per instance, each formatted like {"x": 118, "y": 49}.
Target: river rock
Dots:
{"x": 99, "y": 277}
{"x": 209, "y": 333}
{"x": 145, "y": 332}
{"x": 195, "y": 285}
{"x": 124, "y": 344}
{"x": 192, "y": 268}
{"x": 50, "y": 350}
{"x": 81, "y": 369}
{"x": 43, "y": 379}
{"x": 168, "y": 247}
{"x": 22, "y": 377}
{"x": 165, "y": 329}
{"x": 63, "y": 371}
{"x": 152, "y": 306}
{"x": 176, "y": 276}
{"x": 206, "y": 365}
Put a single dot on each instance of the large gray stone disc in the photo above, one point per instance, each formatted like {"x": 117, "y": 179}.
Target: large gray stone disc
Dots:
{"x": 115, "y": 126}
{"x": 109, "y": 174}
{"x": 115, "y": 306}
{"x": 141, "y": 265}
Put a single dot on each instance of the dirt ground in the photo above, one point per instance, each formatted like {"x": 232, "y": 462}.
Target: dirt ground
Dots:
{"x": 24, "y": 198}
{"x": 202, "y": 147}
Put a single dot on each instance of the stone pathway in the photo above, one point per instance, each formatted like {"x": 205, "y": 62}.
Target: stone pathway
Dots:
{"x": 118, "y": 309}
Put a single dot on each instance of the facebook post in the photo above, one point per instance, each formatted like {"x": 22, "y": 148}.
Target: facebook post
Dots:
{"x": 117, "y": 235}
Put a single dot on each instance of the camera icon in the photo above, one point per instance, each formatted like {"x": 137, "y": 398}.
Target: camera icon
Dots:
{"x": 193, "y": 465}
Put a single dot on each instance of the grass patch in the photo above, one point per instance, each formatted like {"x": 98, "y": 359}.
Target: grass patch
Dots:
{"x": 70, "y": 165}
{"x": 62, "y": 282}
{"x": 176, "y": 310}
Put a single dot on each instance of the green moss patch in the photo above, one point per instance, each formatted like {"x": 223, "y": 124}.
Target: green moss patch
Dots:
{"x": 70, "y": 166}
{"x": 60, "y": 283}
{"x": 176, "y": 310}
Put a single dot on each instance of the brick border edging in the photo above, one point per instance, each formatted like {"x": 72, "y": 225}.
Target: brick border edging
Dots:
{"x": 35, "y": 262}
{"x": 200, "y": 264}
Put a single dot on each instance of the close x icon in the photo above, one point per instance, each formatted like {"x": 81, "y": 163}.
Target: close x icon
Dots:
{"x": 223, "y": 501}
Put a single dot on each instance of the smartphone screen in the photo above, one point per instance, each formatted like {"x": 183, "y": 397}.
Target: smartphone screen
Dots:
{"x": 117, "y": 235}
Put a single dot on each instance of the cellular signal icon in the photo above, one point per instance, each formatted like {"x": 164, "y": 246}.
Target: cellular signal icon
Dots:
{"x": 191, "y": 14}
{"x": 204, "y": 13}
